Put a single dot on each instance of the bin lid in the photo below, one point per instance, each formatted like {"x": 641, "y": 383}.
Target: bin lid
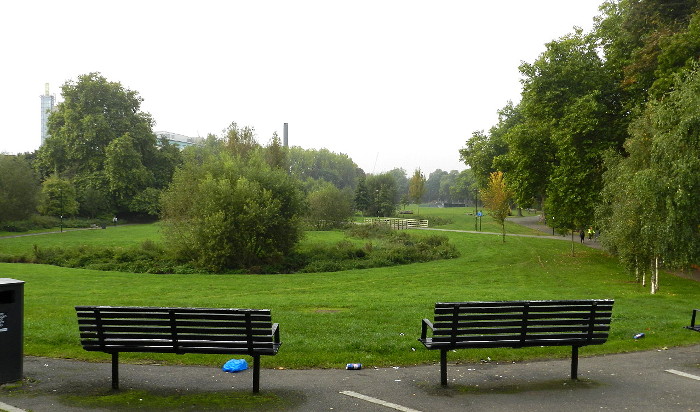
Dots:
{"x": 8, "y": 281}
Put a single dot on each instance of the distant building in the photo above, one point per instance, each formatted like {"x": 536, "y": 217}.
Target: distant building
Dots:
{"x": 47, "y": 106}
{"x": 179, "y": 140}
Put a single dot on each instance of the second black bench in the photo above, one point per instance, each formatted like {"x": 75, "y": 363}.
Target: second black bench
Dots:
{"x": 517, "y": 324}
{"x": 114, "y": 329}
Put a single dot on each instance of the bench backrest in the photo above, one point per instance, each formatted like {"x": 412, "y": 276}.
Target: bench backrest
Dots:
{"x": 176, "y": 330}
{"x": 522, "y": 323}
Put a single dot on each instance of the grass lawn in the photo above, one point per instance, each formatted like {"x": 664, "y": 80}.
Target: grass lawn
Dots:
{"x": 370, "y": 316}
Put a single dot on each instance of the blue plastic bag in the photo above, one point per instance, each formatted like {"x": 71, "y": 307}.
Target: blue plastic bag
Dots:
{"x": 235, "y": 365}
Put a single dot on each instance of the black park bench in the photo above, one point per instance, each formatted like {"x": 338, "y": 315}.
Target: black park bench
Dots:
{"x": 113, "y": 329}
{"x": 517, "y": 324}
{"x": 693, "y": 326}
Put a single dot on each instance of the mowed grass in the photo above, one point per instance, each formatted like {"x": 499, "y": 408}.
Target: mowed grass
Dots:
{"x": 119, "y": 236}
{"x": 370, "y": 316}
{"x": 463, "y": 218}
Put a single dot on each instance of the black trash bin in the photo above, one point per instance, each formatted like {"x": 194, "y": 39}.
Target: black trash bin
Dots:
{"x": 11, "y": 329}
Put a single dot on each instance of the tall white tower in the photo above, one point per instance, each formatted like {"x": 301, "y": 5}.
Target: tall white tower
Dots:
{"x": 47, "y": 103}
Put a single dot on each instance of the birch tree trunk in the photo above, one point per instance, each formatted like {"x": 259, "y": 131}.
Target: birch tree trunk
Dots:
{"x": 655, "y": 276}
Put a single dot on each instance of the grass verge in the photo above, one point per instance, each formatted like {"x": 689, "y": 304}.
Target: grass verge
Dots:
{"x": 371, "y": 316}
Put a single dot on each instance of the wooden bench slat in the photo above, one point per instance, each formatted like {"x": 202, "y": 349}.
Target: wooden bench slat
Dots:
{"x": 532, "y": 303}
{"x": 88, "y": 336}
{"x": 519, "y": 315}
{"x": 466, "y": 333}
{"x": 519, "y": 322}
{"x": 115, "y": 324}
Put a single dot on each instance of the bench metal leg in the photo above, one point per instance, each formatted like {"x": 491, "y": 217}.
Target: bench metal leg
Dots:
{"x": 115, "y": 370}
{"x": 256, "y": 373}
{"x": 574, "y": 362}
{"x": 443, "y": 367}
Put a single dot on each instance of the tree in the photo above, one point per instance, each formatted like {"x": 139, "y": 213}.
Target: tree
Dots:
{"x": 482, "y": 150}
{"x": 416, "y": 186}
{"x": 479, "y": 154}
{"x": 324, "y": 165}
{"x": 464, "y": 186}
{"x": 564, "y": 100}
{"x": 362, "y": 198}
{"x": 329, "y": 207}
{"x": 18, "y": 188}
{"x": 276, "y": 154}
{"x": 432, "y": 185}
{"x": 124, "y": 170}
{"x": 100, "y": 126}
{"x": 246, "y": 214}
{"x": 529, "y": 157}
{"x": 240, "y": 141}
{"x": 652, "y": 193}
{"x": 57, "y": 198}
{"x": 383, "y": 196}
{"x": 496, "y": 197}
{"x": 447, "y": 181}
{"x": 402, "y": 183}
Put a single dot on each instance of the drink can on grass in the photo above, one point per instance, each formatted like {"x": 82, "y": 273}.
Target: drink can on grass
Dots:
{"x": 353, "y": 366}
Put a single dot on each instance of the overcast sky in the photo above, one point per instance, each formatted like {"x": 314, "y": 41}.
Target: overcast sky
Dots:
{"x": 389, "y": 83}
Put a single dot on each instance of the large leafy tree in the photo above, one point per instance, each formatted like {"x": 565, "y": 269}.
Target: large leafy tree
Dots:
{"x": 463, "y": 187}
{"x": 19, "y": 188}
{"x": 362, "y": 198}
{"x": 432, "y": 185}
{"x": 479, "y": 154}
{"x": 335, "y": 168}
{"x": 402, "y": 182}
{"x": 383, "y": 195}
{"x": 650, "y": 213}
{"x": 329, "y": 207}
{"x": 564, "y": 99}
{"x": 529, "y": 155}
{"x": 124, "y": 170}
{"x": 644, "y": 45}
{"x": 102, "y": 141}
{"x": 57, "y": 197}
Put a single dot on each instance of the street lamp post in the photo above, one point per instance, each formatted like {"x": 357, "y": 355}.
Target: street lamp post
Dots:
{"x": 60, "y": 191}
{"x": 476, "y": 205}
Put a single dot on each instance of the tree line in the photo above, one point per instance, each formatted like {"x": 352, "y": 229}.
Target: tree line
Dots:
{"x": 227, "y": 202}
{"x": 606, "y": 134}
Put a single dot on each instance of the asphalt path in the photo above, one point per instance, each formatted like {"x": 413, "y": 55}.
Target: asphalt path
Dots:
{"x": 638, "y": 381}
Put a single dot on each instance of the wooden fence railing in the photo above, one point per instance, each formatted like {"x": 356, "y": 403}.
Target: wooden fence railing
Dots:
{"x": 397, "y": 223}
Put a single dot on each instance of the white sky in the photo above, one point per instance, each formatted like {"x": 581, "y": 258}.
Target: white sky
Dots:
{"x": 389, "y": 83}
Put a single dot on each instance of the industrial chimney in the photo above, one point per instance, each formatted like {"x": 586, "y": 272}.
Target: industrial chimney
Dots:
{"x": 285, "y": 139}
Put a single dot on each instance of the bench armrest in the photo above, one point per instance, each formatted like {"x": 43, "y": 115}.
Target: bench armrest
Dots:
{"x": 276, "y": 332}
{"x": 424, "y": 328}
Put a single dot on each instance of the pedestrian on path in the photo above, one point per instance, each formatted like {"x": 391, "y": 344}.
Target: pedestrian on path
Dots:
{"x": 582, "y": 235}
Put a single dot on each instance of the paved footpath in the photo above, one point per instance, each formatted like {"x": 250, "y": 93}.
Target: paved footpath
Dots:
{"x": 659, "y": 380}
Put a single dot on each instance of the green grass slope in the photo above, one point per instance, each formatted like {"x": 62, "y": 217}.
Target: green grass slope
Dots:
{"x": 370, "y": 316}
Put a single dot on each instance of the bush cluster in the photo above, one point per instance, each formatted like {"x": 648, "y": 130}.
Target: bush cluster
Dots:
{"x": 149, "y": 257}
{"x": 39, "y": 222}
{"x": 377, "y": 246}
{"x": 390, "y": 248}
